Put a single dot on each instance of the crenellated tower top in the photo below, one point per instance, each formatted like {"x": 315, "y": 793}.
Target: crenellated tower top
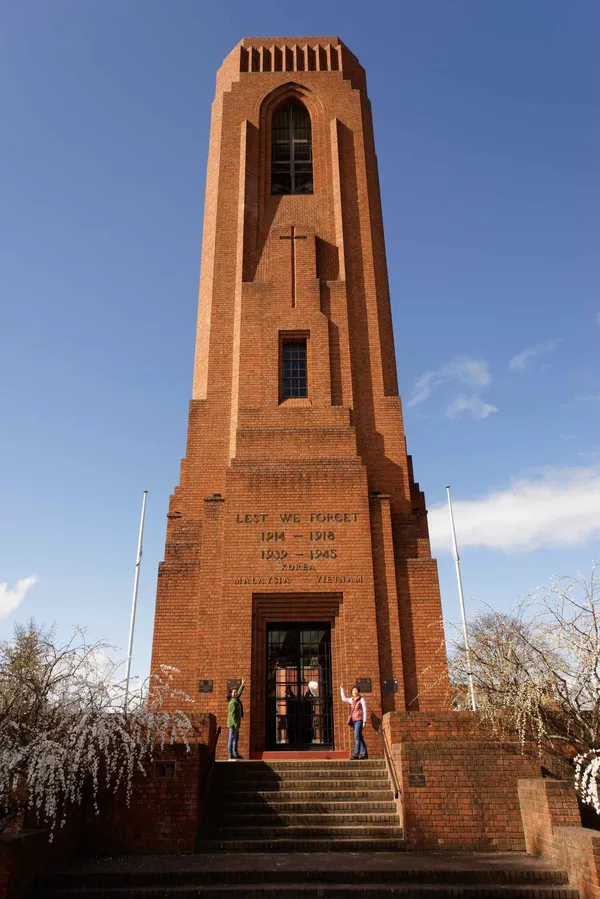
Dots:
{"x": 291, "y": 54}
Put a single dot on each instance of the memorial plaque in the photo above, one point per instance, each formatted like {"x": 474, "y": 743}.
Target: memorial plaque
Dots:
{"x": 390, "y": 686}
{"x": 205, "y": 686}
{"x": 417, "y": 780}
{"x": 233, "y": 683}
{"x": 164, "y": 769}
{"x": 364, "y": 684}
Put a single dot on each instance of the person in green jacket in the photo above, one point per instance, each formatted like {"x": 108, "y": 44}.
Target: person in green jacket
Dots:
{"x": 234, "y": 719}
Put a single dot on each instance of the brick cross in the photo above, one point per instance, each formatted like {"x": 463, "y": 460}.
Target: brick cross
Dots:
{"x": 293, "y": 237}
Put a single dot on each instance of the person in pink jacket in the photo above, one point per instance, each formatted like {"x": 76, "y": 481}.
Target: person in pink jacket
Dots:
{"x": 357, "y": 720}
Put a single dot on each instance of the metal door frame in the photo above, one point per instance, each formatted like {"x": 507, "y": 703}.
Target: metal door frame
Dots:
{"x": 302, "y": 729}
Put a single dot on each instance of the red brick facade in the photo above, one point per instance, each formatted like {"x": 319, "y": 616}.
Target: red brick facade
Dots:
{"x": 166, "y": 804}
{"x": 458, "y": 783}
{"x": 334, "y": 462}
{"x": 552, "y": 826}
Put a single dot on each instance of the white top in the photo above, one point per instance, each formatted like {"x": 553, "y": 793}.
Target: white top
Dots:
{"x": 362, "y": 703}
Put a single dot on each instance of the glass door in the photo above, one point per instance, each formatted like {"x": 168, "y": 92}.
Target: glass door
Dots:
{"x": 299, "y": 694}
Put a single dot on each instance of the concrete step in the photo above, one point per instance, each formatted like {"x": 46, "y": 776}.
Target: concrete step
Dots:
{"x": 277, "y": 805}
{"x": 257, "y": 785}
{"x": 310, "y": 786}
{"x": 276, "y": 818}
{"x": 357, "y": 873}
{"x": 283, "y": 795}
{"x": 309, "y": 832}
{"x": 112, "y": 875}
{"x": 237, "y": 785}
{"x": 323, "y": 890}
{"x": 306, "y": 844}
{"x": 310, "y": 772}
{"x": 301, "y": 765}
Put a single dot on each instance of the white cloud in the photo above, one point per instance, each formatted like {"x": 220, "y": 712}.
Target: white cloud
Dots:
{"x": 473, "y": 404}
{"x": 559, "y": 507}
{"x": 526, "y": 360}
{"x": 12, "y": 599}
{"x": 472, "y": 373}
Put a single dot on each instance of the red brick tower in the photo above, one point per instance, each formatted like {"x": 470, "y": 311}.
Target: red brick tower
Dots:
{"x": 297, "y": 549}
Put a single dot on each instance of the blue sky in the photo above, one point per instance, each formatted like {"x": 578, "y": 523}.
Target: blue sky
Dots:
{"x": 487, "y": 128}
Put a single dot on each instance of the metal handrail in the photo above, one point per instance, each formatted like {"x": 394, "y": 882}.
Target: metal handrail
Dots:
{"x": 390, "y": 764}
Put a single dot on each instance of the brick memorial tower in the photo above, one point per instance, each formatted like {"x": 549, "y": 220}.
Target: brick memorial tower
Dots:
{"x": 297, "y": 551}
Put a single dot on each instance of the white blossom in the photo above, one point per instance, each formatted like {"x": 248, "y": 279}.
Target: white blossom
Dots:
{"x": 587, "y": 777}
{"x": 64, "y": 729}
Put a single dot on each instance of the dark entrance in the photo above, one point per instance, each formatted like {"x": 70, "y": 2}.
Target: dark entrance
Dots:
{"x": 299, "y": 696}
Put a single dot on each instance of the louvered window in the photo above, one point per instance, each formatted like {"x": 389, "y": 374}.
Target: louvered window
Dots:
{"x": 291, "y": 151}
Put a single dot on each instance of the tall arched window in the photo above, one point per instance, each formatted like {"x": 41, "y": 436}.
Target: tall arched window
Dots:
{"x": 291, "y": 150}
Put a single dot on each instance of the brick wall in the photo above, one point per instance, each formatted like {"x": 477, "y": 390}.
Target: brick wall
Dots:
{"x": 459, "y": 785}
{"x": 552, "y": 827}
{"x": 166, "y": 805}
{"x": 163, "y": 817}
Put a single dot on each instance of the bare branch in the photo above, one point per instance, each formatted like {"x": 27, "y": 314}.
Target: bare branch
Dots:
{"x": 537, "y": 673}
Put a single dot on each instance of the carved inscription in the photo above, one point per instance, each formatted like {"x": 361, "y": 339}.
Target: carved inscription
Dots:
{"x": 340, "y": 579}
{"x": 339, "y": 517}
{"x": 262, "y": 581}
{"x": 300, "y": 542}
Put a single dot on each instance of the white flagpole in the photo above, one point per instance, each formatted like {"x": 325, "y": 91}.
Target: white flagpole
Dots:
{"x": 136, "y": 581}
{"x": 462, "y": 603}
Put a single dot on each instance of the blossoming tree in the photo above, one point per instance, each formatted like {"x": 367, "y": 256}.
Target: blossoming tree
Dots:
{"x": 65, "y": 728}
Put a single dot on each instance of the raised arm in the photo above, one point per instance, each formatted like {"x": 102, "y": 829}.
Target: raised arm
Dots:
{"x": 343, "y": 695}
{"x": 241, "y": 688}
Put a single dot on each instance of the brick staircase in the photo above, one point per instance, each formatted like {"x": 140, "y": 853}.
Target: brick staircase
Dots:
{"x": 299, "y": 806}
{"x": 302, "y": 830}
